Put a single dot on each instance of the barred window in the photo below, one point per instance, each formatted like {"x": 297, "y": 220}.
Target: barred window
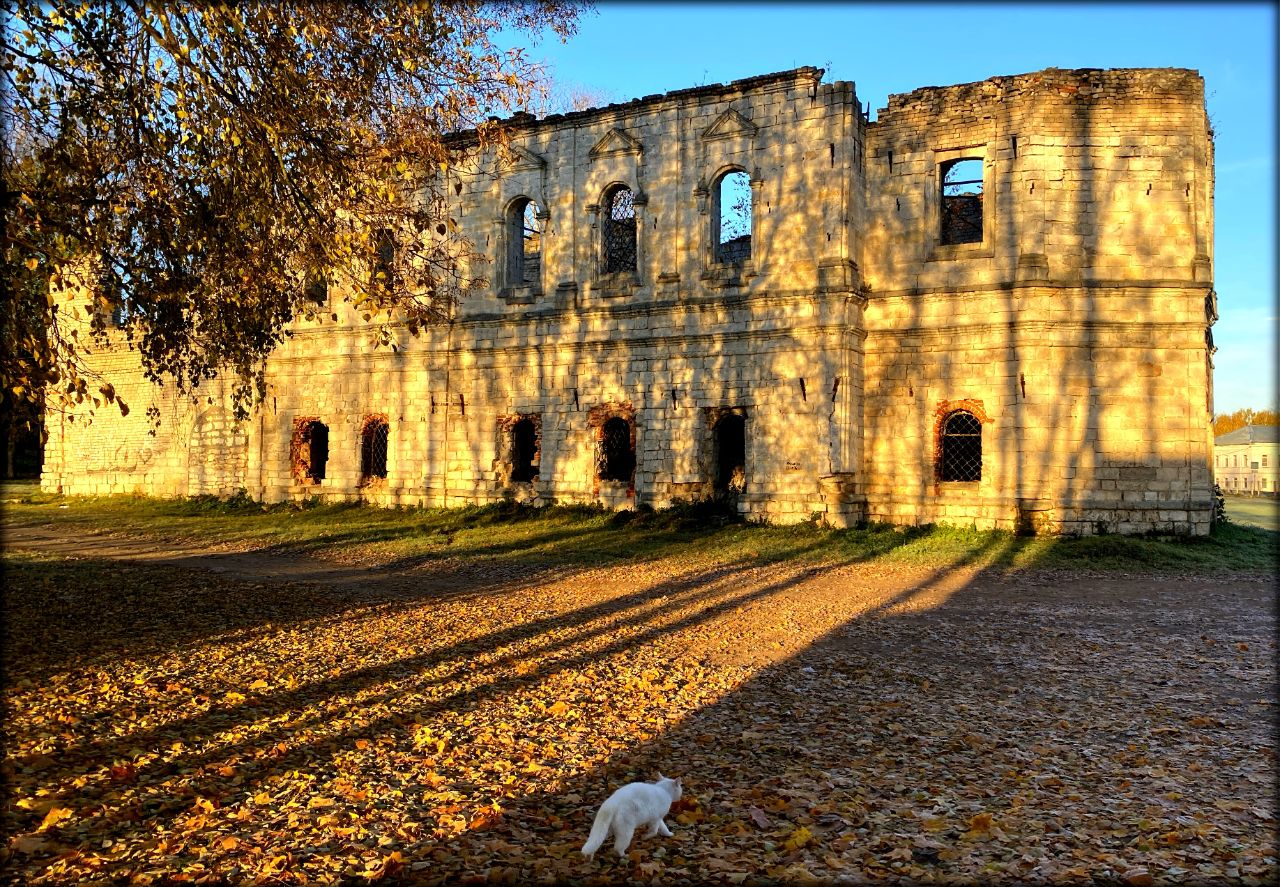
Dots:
{"x": 961, "y": 447}
{"x": 732, "y": 217}
{"x": 619, "y": 230}
{"x": 374, "y": 438}
{"x": 617, "y": 457}
{"x": 962, "y": 201}
{"x": 524, "y": 232}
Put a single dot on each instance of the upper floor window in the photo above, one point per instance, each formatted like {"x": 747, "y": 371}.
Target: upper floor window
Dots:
{"x": 962, "y": 201}
{"x": 524, "y": 237}
{"x": 317, "y": 289}
{"x": 382, "y": 271}
{"x": 732, "y": 217}
{"x": 1264, "y": 460}
{"x": 619, "y": 230}
{"x": 961, "y": 447}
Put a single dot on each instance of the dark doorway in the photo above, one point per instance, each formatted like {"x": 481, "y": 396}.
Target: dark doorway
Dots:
{"x": 316, "y": 438}
{"x": 729, "y": 444}
{"x": 617, "y": 455}
{"x": 524, "y": 451}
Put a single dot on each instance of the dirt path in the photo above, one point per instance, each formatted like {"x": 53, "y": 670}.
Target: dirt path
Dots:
{"x": 253, "y": 714}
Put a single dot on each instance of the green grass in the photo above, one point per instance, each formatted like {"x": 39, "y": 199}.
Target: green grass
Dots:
{"x": 701, "y": 533}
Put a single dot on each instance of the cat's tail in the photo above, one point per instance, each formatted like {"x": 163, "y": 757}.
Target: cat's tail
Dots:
{"x": 599, "y": 831}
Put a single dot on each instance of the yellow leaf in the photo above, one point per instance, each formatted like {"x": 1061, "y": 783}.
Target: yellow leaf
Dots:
{"x": 54, "y": 816}
{"x": 33, "y": 263}
{"x": 980, "y": 822}
{"x": 799, "y": 838}
{"x": 315, "y": 803}
{"x": 230, "y": 842}
{"x": 558, "y": 709}
{"x": 259, "y": 684}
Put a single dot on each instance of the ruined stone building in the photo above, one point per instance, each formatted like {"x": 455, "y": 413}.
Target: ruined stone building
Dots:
{"x": 991, "y": 306}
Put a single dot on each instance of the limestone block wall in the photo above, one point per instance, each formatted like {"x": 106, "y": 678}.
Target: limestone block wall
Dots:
{"x": 1075, "y": 328}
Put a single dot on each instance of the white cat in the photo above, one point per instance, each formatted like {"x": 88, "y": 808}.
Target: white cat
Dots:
{"x": 629, "y": 808}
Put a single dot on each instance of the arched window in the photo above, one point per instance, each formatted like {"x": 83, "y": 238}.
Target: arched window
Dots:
{"x": 729, "y": 443}
{"x": 619, "y": 230}
{"x": 310, "y": 450}
{"x": 524, "y": 243}
{"x": 382, "y": 271}
{"x": 962, "y": 201}
{"x": 524, "y": 451}
{"x": 961, "y": 447}
{"x": 732, "y": 217}
{"x": 374, "y": 438}
{"x": 617, "y": 459}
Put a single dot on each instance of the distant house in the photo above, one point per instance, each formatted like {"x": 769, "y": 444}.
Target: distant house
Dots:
{"x": 1244, "y": 460}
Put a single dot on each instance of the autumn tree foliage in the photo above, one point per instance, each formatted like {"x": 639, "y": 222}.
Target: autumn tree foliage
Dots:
{"x": 208, "y": 165}
{"x": 1227, "y": 422}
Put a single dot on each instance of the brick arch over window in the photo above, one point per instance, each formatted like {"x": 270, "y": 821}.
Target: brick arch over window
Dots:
{"x": 958, "y": 434}
{"x": 614, "y": 428}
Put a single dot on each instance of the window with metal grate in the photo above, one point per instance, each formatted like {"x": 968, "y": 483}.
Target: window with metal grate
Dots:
{"x": 373, "y": 449}
{"x": 620, "y": 231}
{"x": 961, "y": 448}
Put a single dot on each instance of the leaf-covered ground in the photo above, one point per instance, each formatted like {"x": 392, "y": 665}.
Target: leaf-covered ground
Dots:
{"x": 461, "y": 721}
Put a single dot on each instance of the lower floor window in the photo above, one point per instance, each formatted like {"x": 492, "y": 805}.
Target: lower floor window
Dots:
{"x": 961, "y": 447}
{"x": 617, "y": 456}
{"x": 374, "y": 439}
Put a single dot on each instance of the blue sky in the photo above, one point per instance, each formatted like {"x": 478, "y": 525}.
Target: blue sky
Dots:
{"x": 627, "y": 50}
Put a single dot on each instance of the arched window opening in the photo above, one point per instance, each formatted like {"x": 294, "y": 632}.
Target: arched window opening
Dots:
{"x": 317, "y": 289}
{"x": 729, "y": 441}
{"x": 961, "y": 447}
{"x": 619, "y": 231}
{"x": 962, "y": 201}
{"x": 374, "y": 438}
{"x": 733, "y": 217}
{"x": 524, "y": 451}
{"x": 617, "y": 452}
{"x": 310, "y": 450}
{"x": 382, "y": 272}
{"x": 525, "y": 230}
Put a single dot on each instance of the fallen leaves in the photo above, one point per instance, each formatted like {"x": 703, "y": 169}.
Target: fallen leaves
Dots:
{"x": 1011, "y": 733}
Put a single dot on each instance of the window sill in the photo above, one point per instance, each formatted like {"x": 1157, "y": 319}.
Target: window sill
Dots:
{"x": 725, "y": 274}
{"x": 952, "y": 251}
{"x": 617, "y": 284}
{"x": 520, "y": 295}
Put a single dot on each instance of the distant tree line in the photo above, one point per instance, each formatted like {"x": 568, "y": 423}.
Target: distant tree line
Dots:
{"x": 1225, "y": 422}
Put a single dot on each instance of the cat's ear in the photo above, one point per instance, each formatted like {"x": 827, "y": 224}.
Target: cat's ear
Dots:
{"x": 660, "y": 776}
{"x": 678, "y": 780}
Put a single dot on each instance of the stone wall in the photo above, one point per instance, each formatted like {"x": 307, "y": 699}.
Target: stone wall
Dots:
{"x": 1075, "y": 329}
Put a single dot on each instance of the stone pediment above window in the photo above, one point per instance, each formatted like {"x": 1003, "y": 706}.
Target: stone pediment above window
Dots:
{"x": 728, "y": 125}
{"x": 515, "y": 159}
{"x": 616, "y": 141}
